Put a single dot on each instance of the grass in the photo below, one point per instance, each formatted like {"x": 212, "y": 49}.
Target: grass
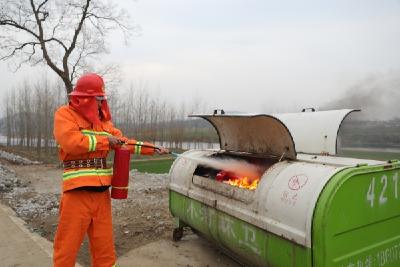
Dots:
{"x": 152, "y": 165}
{"x": 377, "y": 155}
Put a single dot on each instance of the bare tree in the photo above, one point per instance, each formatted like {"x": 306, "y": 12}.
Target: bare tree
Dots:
{"x": 7, "y": 102}
{"x": 67, "y": 35}
{"x": 39, "y": 102}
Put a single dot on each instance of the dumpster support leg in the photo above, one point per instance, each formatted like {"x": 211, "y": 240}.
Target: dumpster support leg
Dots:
{"x": 177, "y": 234}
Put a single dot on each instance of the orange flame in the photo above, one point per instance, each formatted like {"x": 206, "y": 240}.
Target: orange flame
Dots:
{"x": 243, "y": 182}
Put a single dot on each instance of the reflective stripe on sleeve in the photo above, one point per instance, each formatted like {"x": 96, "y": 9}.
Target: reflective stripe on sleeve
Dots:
{"x": 138, "y": 148}
{"x": 86, "y": 172}
{"x": 90, "y": 132}
{"x": 92, "y": 138}
{"x": 92, "y": 143}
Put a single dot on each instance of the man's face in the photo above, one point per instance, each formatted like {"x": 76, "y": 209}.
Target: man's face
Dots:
{"x": 99, "y": 103}
{"x": 99, "y": 100}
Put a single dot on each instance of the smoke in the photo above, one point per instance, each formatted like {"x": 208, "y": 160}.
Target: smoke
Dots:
{"x": 377, "y": 97}
{"x": 239, "y": 167}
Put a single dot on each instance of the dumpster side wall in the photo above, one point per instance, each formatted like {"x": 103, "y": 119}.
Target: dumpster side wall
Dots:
{"x": 357, "y": 218}
{"x": 245, "y": 242}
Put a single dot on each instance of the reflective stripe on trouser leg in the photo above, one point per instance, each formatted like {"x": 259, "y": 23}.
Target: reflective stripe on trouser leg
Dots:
{"x": 100, "y": 233}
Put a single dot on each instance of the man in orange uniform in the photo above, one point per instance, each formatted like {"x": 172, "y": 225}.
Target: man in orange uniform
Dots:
{"x": 85, "y": 135}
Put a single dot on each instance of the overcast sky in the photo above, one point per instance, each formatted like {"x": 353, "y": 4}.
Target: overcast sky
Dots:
{"x": 254, "y": 55}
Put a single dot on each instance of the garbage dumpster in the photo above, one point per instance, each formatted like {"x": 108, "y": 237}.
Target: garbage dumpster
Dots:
{"x": 307, "y": 207}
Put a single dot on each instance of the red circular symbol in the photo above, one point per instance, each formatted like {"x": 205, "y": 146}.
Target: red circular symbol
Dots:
{"x": 297, "y": 182}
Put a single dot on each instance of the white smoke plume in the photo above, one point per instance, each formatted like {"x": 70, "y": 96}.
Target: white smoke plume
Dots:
{"x": 239, "y": 167}
{"x": 377, "y": 97}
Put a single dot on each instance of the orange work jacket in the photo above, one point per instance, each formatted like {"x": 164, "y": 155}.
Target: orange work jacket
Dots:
{"x": 78, "y": 139}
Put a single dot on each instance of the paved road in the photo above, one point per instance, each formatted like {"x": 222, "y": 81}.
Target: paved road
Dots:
{"x": 19, "y": 247}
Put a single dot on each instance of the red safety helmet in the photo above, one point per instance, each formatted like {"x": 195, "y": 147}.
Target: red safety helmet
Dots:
{"x": 89, "y": 84}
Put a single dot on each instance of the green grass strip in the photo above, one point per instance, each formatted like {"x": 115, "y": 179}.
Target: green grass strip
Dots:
{"x": 365, "y": 154}
{"x": 152, "y": 166}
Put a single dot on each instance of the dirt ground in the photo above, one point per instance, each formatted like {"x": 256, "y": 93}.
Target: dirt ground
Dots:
{"x": 142, "y": 223}
{"x": 33, "y": 191}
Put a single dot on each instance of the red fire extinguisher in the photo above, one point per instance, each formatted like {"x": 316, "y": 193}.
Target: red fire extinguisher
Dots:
{"x": 120, "y": 180}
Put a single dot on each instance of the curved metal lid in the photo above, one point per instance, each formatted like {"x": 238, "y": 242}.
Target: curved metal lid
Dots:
{"x": 258, "y": 134}
{"x": 281, "y": 135}
{"x": 315, "y": 132}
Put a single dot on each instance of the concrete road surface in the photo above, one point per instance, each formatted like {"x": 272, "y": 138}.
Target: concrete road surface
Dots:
{"x": 19, "y": 247}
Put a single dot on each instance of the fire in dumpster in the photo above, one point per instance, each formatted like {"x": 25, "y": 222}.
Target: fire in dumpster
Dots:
{"x": 235, "y": 172}
{"x": 234, "y": 180}
{"x": 243, "y": 182}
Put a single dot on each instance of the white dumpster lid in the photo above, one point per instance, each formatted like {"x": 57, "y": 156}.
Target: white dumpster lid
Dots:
{"x": 279, "y": 134}
{"x": 259, "y": 134}
{"x": 315, "y": 132}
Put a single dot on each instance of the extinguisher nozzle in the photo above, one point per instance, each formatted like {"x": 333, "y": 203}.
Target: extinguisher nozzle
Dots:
{"x": 174, "y": 154}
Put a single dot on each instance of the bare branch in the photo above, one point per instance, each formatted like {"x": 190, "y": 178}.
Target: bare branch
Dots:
{"x": 8, "y": 22}
{"x": 29, "y": 58}
{"x": 76, "y": 65}
{"x": 42, "y": 4}
{"x": 43, "y": 44}
{"x": 70, "y": 33}
{"x": 18, "y": 48}
{"x": 111, "y": 19}
{"x": 57, "y": 25}
{"x": 56, "y": 40}
{"x": 78, "y": 29}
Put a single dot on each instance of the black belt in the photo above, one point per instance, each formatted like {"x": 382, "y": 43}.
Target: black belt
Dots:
{"x": 99, "y": 189}
{"x": 99, "y": 163}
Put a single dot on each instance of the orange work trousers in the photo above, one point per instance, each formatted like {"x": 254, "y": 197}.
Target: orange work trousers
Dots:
{"x": 84, "y": 212}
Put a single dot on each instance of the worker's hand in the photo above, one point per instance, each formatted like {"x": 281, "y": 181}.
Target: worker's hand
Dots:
{"x": 162, "y": 150}
{"x": 123, "y": 139}
{"x": 114, "y": 141}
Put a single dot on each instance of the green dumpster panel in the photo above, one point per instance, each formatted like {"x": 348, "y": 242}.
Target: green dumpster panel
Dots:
{"x": 357, "y": 219}
{"x": 245, "y": 242}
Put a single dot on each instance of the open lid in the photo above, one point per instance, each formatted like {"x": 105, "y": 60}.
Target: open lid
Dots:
{"x": 258, "y": 134}
{"x": 315, "y": 132}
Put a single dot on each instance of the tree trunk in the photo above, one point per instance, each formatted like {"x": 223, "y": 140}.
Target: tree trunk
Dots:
{"x": 39, "y": 121}
{"x": 47, "y": 119}
{"x": 8, "y": 119}
{"x": 68, "y": 85}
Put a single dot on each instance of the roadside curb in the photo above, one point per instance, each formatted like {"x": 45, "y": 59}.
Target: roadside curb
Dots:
{"x": 42, "y": 242}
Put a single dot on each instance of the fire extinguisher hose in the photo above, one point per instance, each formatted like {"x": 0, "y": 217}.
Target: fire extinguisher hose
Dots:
{"x": 154, "y": 147}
